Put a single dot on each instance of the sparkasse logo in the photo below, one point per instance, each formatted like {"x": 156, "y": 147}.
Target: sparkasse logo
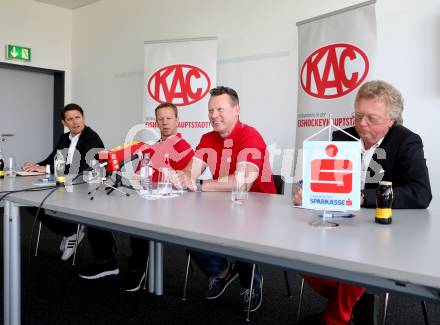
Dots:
{"x": 180, "y": 84}
{"x": 334, "y": 71}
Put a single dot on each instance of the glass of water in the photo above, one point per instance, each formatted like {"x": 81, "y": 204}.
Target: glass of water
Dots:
{"x": 10, "y": 170}
{"x": 239, "y": 192}
{"x": 164, "y": 186}
{"x": 93, "y": 176}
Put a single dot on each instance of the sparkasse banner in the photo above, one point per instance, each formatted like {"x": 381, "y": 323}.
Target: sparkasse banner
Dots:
{"x": 336, "y": 55}
{"x": 332, "y": 175}
{"x": 181, "y": 72}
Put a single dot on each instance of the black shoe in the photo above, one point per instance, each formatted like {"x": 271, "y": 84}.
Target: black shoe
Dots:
{"x": 133, "y": 281}
{"x": 315, "y": 319}
{"x": 97, "y": 271}
{"x": 217, "y": 286}
{"x": 367, "y": 310}
{"x": 256, "y": 296}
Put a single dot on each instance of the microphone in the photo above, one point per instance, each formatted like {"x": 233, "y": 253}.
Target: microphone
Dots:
{"x": 126, "y": 161}
{"x": 120, "y": 155}
{"x": 105, "y": 163}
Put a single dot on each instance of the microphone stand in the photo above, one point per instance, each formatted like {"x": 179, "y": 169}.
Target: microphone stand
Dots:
{"x": 118, "y": 179}
{"x": 115, "y": 187}
{"x": 109, "y": 188}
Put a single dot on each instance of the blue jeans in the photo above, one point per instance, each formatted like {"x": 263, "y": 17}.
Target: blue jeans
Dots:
{"x": 212, "y": 265}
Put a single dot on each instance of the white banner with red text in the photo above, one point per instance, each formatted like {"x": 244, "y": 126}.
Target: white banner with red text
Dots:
{"x": 336, "y": 55}
{"x": 181, "y": 72}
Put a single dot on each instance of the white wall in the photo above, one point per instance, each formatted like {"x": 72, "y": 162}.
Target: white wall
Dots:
{"x": 408, "y": 57}
{"x": 257, "y": 55}
{"x": 46, "y": 29}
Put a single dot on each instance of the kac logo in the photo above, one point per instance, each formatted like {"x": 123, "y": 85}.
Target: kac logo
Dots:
{"x": 180, "y": 84}
{"x": 334, "y": 70}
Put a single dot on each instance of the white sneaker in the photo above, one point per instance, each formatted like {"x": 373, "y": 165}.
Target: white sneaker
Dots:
{"x": 69, "y": 244}
{"x": 63, "y": 242}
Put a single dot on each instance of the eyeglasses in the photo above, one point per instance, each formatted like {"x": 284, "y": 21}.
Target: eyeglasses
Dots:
{"x": 371, "y": 119}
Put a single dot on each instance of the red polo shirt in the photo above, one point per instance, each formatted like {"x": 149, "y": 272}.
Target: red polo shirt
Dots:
{"x": 179, "y": 154}
{"x": 243, "y": 145}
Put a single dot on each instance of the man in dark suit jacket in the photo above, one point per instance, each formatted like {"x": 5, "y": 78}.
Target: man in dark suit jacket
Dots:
{"x": 390, "y": 152}
{"x": 79, "y": 145}
{"x": 398, "y": 159}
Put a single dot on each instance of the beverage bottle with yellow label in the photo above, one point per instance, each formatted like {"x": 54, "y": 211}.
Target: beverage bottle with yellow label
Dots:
{"x": 59, "y": 165}
{"x": 2, "y": 165}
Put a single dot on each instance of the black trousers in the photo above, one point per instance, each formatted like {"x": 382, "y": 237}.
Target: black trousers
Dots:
{"x": 102, "y": 242}
{"x": 57, "y": 226}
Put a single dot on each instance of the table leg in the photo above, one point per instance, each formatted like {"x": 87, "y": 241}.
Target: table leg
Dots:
{"x": 6, "y": 263}
{"x": 158, "y": 274}
{"x": 12, "y": 266}
{"x": 151, "y": 271}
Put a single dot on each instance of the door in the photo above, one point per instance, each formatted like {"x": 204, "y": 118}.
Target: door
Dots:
{"x": 26, "y": 114}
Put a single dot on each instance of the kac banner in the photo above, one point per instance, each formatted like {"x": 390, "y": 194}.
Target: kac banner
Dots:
{"x": 181, "y": 72}
{"x": 332, "y": 175}
{"x": 336, "y": 55}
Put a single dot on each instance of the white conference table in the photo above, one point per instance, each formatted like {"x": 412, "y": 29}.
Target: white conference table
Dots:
{"x": 400, "y": 257}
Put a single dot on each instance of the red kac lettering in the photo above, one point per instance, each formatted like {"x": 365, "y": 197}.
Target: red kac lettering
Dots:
{"x": 181, "y": 84}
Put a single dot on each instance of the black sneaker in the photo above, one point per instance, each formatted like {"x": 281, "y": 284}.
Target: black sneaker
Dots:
{"x": 217, "y": 286}
{"x": 256, "y": 296}
{"x": 97, "y": 271}
{"x": 133, "y": 281}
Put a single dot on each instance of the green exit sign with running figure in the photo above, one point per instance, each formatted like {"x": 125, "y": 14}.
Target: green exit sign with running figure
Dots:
{"x": 15, "y": 52}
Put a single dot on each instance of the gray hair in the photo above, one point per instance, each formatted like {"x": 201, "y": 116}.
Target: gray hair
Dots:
{"x": 380, "y": 90}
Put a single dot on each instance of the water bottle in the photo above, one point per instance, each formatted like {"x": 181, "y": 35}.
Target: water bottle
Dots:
{"x": 2, "y": 165}
{"x": 59, "y": 165}
{"x": 146, "y": 180}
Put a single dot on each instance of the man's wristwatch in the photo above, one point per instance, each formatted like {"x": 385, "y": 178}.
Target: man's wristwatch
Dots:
{"x": 199, "y": 184}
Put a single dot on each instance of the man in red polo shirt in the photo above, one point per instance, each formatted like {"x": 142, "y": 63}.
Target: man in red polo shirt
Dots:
{"x": 232, "y": 146}
{"x": 171, "y": 150}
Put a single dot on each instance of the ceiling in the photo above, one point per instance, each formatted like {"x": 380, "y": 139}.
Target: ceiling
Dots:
{"x": 69, "y": 4}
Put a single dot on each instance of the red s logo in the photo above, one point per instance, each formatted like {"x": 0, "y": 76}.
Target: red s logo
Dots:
{"x": 331, "y": 175}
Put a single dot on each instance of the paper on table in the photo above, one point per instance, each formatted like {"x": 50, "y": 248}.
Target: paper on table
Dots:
{"x": 24, "y": 173}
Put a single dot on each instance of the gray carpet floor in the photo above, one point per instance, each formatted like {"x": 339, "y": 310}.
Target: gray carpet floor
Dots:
{"x": 54, "y": 294}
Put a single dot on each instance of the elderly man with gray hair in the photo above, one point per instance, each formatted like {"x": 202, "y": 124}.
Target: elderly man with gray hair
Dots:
{"x": 390, "y": 152}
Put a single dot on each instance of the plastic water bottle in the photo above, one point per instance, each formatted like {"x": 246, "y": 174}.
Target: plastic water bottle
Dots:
{"x": 59, "y": 165}
{"x": 146, "y": 180}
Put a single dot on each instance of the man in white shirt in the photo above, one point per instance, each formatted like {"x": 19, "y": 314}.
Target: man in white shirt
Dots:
{"x": 78, "y": 145}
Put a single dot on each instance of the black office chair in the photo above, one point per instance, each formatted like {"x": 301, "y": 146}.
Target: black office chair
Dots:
{"x": 384, "y": 310}
{"x": 279, "y": 186}
{"x": 385, "y": 307}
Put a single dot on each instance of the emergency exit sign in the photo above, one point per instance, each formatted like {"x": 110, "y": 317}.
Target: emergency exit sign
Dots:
{"x": 15, "y": 52}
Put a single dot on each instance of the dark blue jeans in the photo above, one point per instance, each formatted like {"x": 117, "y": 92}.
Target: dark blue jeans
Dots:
{"x": 213, "y": 265}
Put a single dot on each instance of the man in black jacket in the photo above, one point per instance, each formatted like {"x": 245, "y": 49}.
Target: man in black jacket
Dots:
{"x": 79, "y": 145}
{"x": 390, "y": 152}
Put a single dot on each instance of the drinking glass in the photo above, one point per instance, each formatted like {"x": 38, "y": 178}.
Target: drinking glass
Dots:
{"x": 164, "y": 186}
{"x": 10, "y": 170}
{"x": 93, "y": 176}
{"x": 239, "y": 192}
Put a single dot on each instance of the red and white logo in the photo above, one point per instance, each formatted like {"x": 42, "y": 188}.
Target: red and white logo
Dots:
{"x": 334, "y": 71}
{"x": 331, "y": 175}
{"x": 180, "y": 84}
